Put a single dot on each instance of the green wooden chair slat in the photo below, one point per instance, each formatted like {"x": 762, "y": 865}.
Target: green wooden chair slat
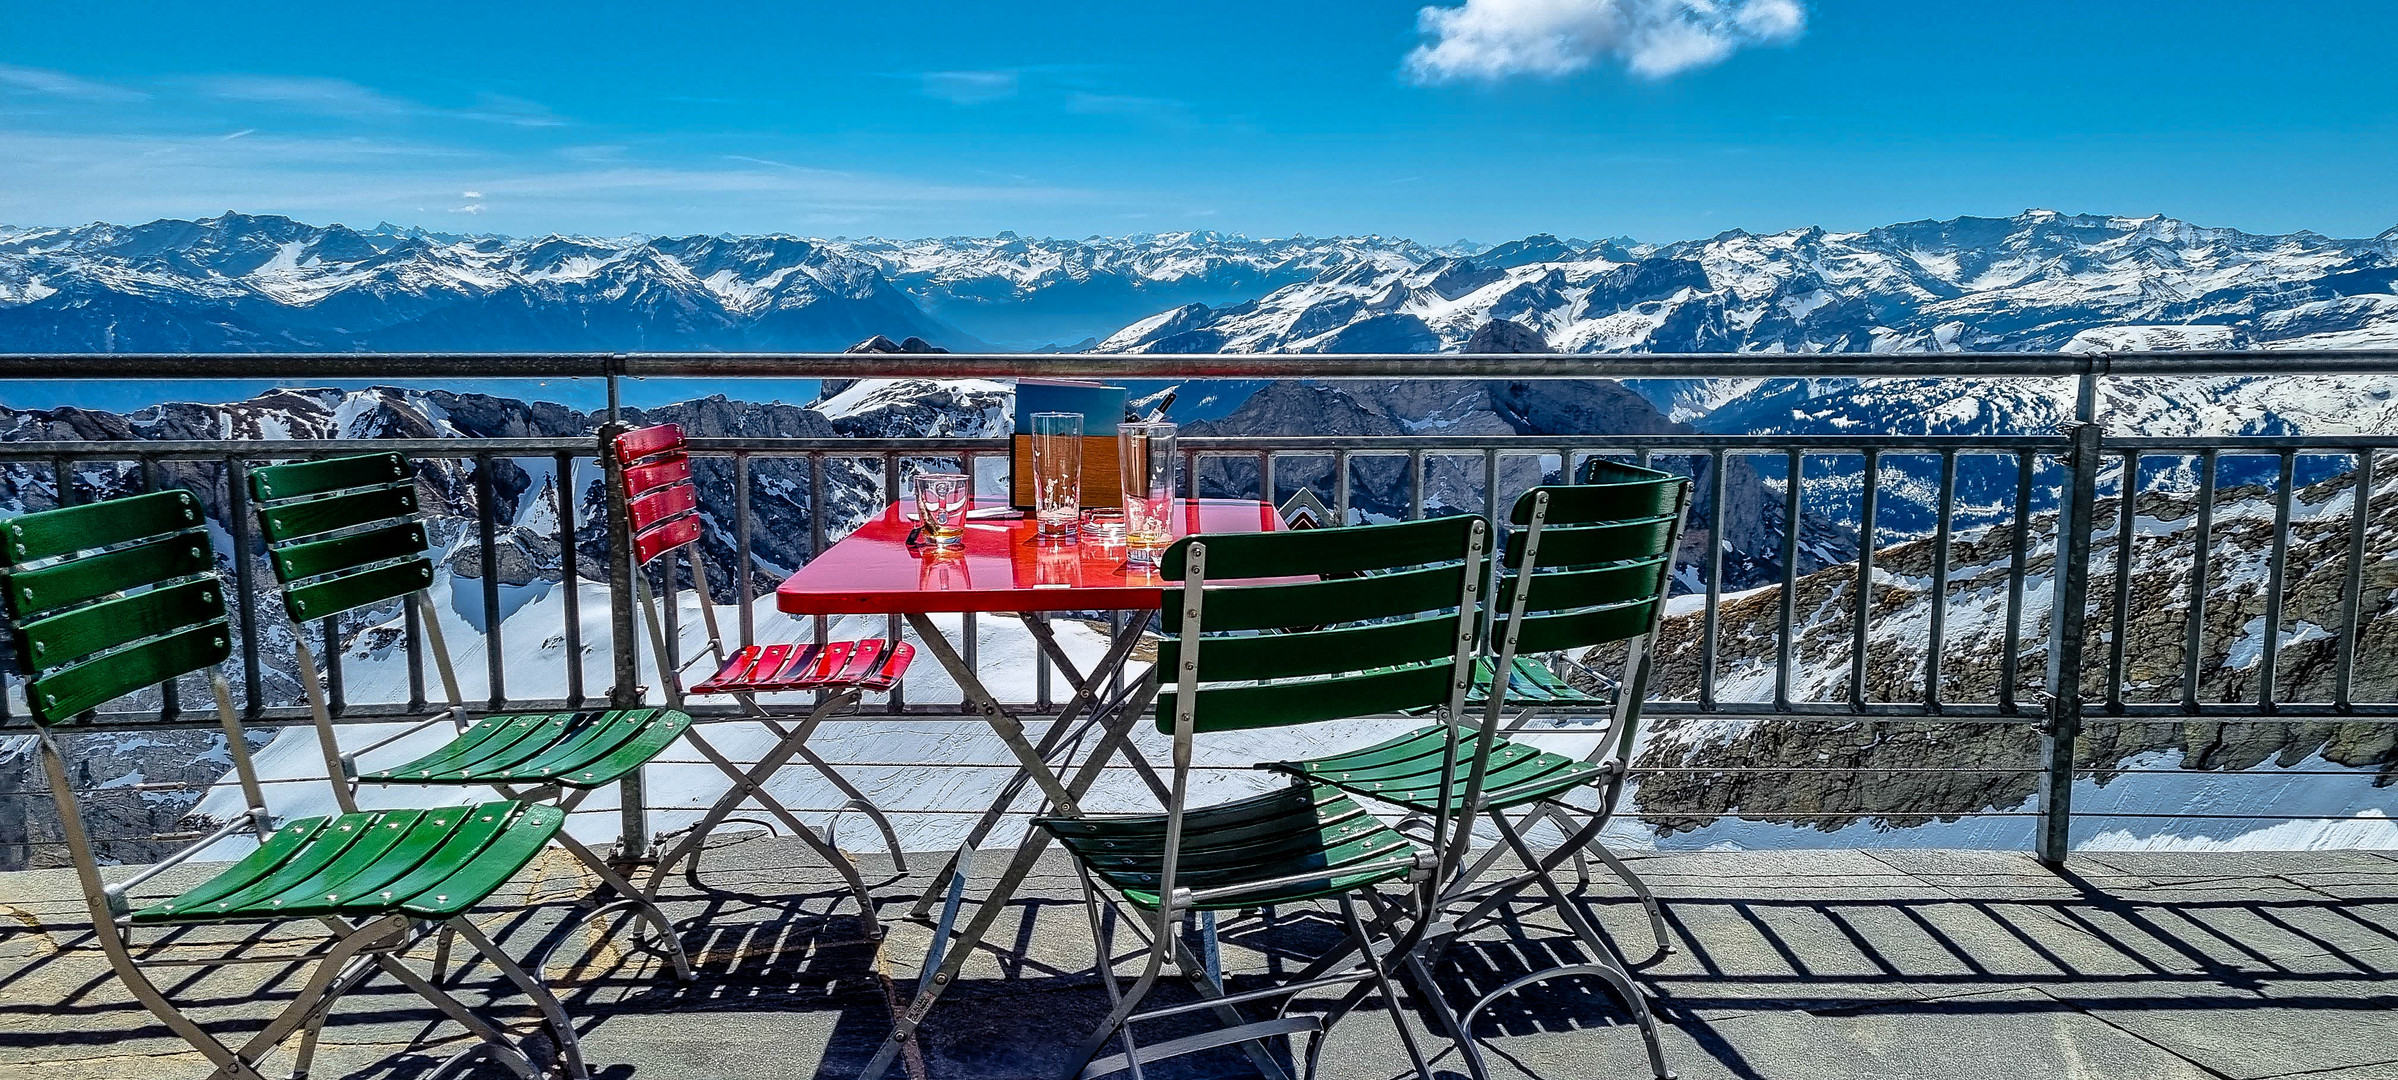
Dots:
{"x": 302, "y": 479}
{"x": 334, "y": 595}
{"x": 319, "y": 852}
{"x": 1230, "y": 816}
{"x": 1597, "y": 587}
{"x": 295, "y": 562}
{"x": 658, "y": 731}
{"x": 49, "y": 534}
{"x": 590, "y": 737}
{"x": 1321, "y": 551}
{"x": 75, "y": 634}
{"x": 528, "y": 829}
{"x": 1405, "y": 771}
{"x": 1220, "y": 845}
{"x": 377, "y": 841}
{"x": 1580, "y": 629}
{"x": 59, "y": 696}
{"x": 270, "y": 854}
{"x": 1569, "y": 545}
{"x": 490, "y": 736}
{"x": 1610, "y": 492}
{"x": 426, "y": 863}
{"x": 94, "y": 576}
{"x": 370, "y": 883}
{"x": 1285, "y": 656}
{"x": 287, "y": 521}
{"x": 474, "y": 831}
{"x": 1233, "y": 708}
{"x": 1310, "y": 833}
{"x": 1355, "y": 599}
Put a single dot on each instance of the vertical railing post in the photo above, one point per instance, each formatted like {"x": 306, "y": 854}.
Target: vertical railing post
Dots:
{"x": 2067, "y": 616}
{"x": 627, "y": 691}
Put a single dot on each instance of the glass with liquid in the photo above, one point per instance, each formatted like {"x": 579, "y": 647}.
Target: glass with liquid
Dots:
{"x": 1056, "y": 473}
{"x": 1146, "y": 455}
{"x": 941, "y": 508}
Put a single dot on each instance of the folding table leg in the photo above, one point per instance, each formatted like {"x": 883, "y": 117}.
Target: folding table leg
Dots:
{"x": 988, "y": 910}
{"x": 1085, "y": 697}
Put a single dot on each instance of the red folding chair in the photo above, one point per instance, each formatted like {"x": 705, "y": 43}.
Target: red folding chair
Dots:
{"x": 663, "y": 510}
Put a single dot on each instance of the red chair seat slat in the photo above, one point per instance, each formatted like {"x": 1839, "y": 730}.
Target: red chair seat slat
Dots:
{"x": 895, "y": 664}
{"x": 870, "y": 664}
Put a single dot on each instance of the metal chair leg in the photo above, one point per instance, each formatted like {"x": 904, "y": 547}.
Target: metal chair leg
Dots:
{"x": 1605, "y": 964}
{"x": 634, "y": 898}
{"x": 570, "y": 1047}
{"x": 1631, "y": 880}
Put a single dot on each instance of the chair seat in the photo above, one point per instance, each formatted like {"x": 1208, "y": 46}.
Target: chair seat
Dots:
{"x": 429, "y": 864}
{"x": 1314, "y": 834}
{"x": 868, "y": 664}
{"x": 1530, "y": 683}
{"x": 1407, "y": 771}
{"x": 574, "y": 749}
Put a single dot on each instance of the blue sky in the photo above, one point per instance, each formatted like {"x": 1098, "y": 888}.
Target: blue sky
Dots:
{"x": 1482, "y": 119}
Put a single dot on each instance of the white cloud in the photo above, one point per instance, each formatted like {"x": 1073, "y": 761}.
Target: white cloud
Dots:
{"x": 970, "y": 87}
{"x": 61, "y": 84}
{"x": 331, "y": 97}
{"x": 87, "y": 176}
{"x": 1494, "y": 39}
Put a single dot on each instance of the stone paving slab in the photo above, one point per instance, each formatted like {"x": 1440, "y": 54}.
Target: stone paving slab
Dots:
{"x": 1835, "y": 964}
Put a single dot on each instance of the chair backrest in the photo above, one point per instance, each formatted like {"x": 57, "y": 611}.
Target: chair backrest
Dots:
{"x": 662, "y": 515}
{"x": 1601, "y": 559}
{"x": 1585, "y": 565}
{"x": 342, "y": 533}
{"x": 661, "y": 505}
{"x": 1377, "y": 620}
{"x": 106, "y": 599}
{"x": 111, "y": 597}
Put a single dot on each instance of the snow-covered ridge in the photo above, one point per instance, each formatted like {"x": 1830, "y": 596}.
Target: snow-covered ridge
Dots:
{"x": 2039, "y": 280}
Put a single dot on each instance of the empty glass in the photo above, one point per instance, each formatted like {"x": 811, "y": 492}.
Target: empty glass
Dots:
{"x": 1147, "y": 456}
{"x": 941, "y": 508}
{"x": 1104, "y": 525}
{"x": 1056, "y": 473}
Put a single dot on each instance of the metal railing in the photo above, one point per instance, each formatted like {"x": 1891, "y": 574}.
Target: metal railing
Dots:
{"x": 2059, "y": 473}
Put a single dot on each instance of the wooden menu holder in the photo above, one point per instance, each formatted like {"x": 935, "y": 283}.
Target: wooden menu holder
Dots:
{"x": 1102, "y": 472}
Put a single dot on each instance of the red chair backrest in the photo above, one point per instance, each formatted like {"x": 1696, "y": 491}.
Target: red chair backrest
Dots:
{"x": 661, "y": 504}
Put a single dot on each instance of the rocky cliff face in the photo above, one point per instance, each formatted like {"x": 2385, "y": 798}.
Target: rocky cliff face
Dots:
{"x": 2154, "y": 640}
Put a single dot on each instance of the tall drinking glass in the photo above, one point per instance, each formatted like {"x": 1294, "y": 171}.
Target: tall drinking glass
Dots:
{"x": 1056, "y": 473}
{"x": 1147, "y": 456}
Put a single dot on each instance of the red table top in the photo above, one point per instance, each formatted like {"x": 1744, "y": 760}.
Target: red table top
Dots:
{"x": 1000, "y": 568}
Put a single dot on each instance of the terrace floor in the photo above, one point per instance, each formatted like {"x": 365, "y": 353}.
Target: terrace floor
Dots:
{"x": 1821, "y": 964}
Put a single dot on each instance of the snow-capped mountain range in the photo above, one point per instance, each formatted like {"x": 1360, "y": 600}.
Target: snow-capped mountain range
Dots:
{"x": 2038, "y": 280}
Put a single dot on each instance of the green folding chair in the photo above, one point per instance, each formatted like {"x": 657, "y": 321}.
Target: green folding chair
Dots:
{"x": 1584, "y": 565}
{"x": 1318, "y": 644}
{"x": 343, "y": 534}
{"x": 111, "y": 598}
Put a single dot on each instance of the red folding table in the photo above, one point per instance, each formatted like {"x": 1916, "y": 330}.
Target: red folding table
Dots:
{"x": 1002, "y": 568}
